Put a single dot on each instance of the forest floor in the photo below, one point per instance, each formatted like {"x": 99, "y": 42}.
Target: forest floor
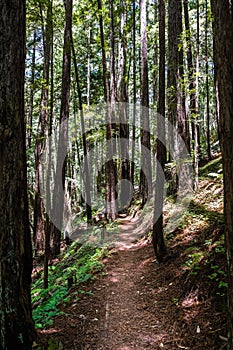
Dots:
{"x": 136, "y": 303}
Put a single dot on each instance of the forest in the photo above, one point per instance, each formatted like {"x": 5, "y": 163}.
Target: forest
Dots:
{"x": 116, "y": 174}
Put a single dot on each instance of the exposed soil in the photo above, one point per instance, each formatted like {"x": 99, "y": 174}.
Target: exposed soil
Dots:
{"x": 137, "y": 303}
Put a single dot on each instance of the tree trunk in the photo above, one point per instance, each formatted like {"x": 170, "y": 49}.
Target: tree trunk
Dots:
{"x": 223, "y": 38}
{"x": 42, "y": 132}
{"x": 104, "y": 61}
{"x": 173, "y": 38}
{"x": 31, "y": 99}
{"x": 195, "y": 124}
{"x": 158, "y": 236}
{"x": 48, "y": 148}
{"x": 111, "y": 208}
{"x": 191, "y": 69}
{"x": 113, "y": 88}
{"x": 155, "y": 68}
{"x": 122, "y": 97}
{"x": 59, "y": 185}
{"x": 176, "y": 103}
{"x": 112, "y": 55}
{"x": 16, "y": 324}
{"x": 182, "y": 122}
{"x": 89, "y": 69}
{"x": 134, "y": 94}
{"x": 146, "y": 171}
{"x": 84, "y": 140}
{"x": 207, "y": 83}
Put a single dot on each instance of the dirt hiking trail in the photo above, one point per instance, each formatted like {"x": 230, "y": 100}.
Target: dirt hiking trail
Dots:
{"x": 136, "y": 303}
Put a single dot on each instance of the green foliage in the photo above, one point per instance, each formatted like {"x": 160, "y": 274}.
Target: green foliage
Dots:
{"x": 219, "y": 276}
{"x": 200, "y": 259}
{"x": 198, "y": 214}
{"x": 79, "y": 265}
{"x": 55, "y": 344}
{"x": 195, "y": 257}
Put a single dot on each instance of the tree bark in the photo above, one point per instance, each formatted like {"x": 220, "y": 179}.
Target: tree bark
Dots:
{"x": 134, "y": 94}
{"x": 196, "y": 136}
{"x": 59, "y": 185}
{"x": 84, "y": 141}
{"x": 146, "y": 171}
{"x": 207, "y": 83}
{"x": 104, "y": 61}
{"x": 42, "y": 132}
{"x": 112, "y": 55}
{"x": 223, "y": 51}
{"x": 155, "y": 68}
{"x": 111, "y": 208}
{"x": 16, "y": 324}
{"x": 158, "y": 236}
{"x": 48, "y": 147}
{"x": 89, "y": 69}
{"x": 182, "y": 122}
{"x": 191, "y": 69}
{"x": 178, "y": 126}
{"x": 31, "y": 99}
{"x": 122, "y": 97}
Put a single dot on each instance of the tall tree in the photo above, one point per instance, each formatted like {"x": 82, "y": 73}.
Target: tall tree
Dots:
{"x": 42, "y": 132}
{"x": 207, "y": 81}
{"x": 122, "y": 96}
{"x": 177, "y": 115}
{"x": 223, "y": 38}
{"x": 112, "y": 54}
{"x": 195, "y": 124}
{"x": 111, "y": 208}
{"x": 193, "y": 93}
{"x": 48, "y": 148}
{"x": 89, "y": 69}
{"x": 173, "y": 41}
{"x": 182, "y": 122}
{"x": 134, "y": 94}
{"x": 176, "y": 108}
{"x": 59, "y": 185}
{"x": 155, "y": 71}
{"x": 158, "y": 236}
{"x": 31, "y": 98}
{"x": 84, "y": 140}
{"x": 146, "y": 174}
{"x": 103, "y": 48}
{"x": 191, "y": 69}
{"x": 17, "y": 329}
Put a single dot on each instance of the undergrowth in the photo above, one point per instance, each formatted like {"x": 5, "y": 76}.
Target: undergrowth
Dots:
{"x": 201, "y": 234}
{"x": 74, "y": 267}
{"x": 200, "y": 231}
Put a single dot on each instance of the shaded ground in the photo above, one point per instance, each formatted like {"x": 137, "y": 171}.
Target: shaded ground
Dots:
{"x": 139, "y": 304}
{"x": 132, "y": 307}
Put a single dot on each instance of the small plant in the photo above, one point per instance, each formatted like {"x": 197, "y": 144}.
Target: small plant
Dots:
{"x": 77, "y": 265}
{"x": 195, "y": 257}
{"x": 219, "y": 276}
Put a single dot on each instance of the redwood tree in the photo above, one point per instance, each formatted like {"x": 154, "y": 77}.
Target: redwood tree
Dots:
{"x": 122, "y": 97}
{"x": 42, "y": 132}
{"x": 158, "y": 236}
{"x": 145, "y": 176}
{"x": 58, "y": 198}
{"x": 111, "y": 209}
{"x": 84, "y": 140}
{"x": 16, "y": 325}
{"x": 223, "y": 51}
